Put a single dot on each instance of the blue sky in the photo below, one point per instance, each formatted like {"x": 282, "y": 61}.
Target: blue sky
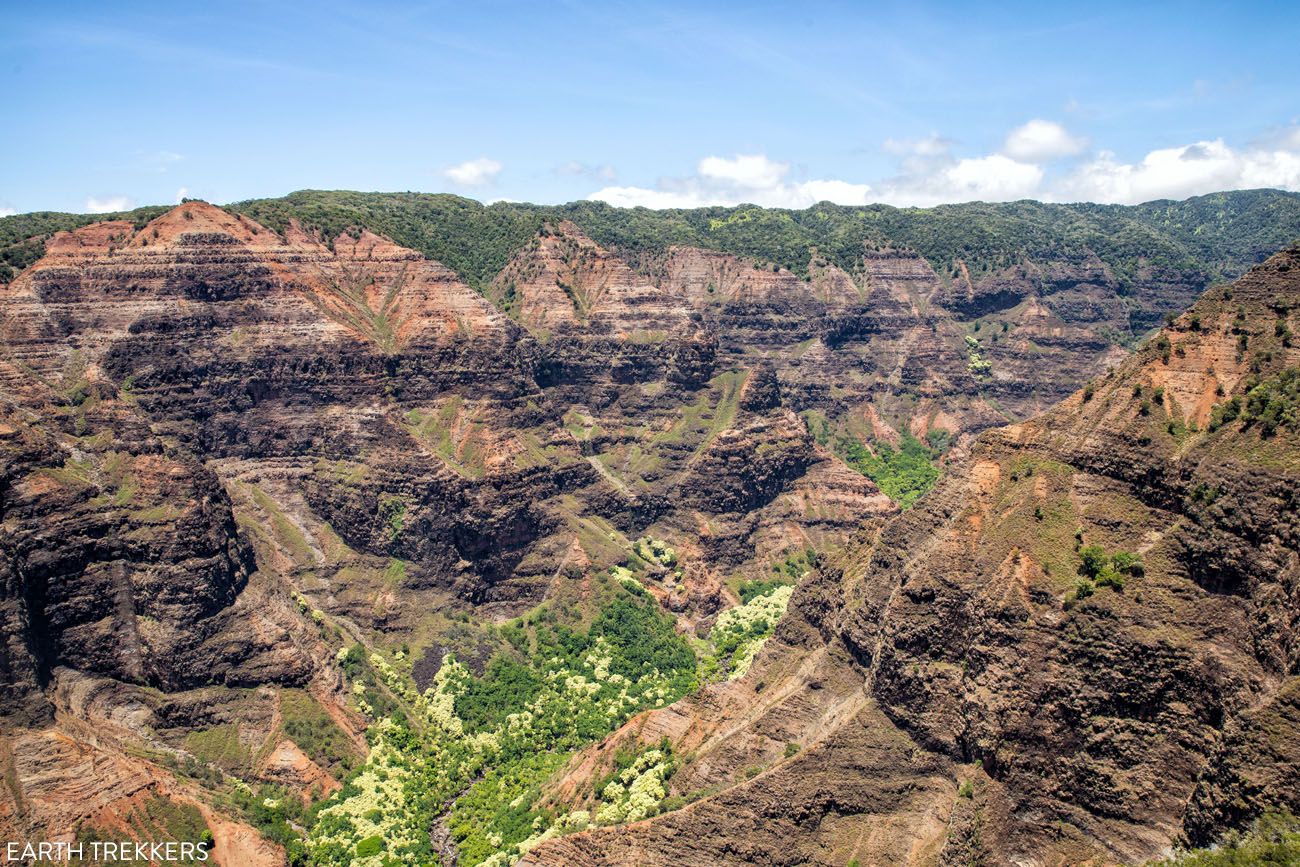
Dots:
{"x": 663, "y": 104}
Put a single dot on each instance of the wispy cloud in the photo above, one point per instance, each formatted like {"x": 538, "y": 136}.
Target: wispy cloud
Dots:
{"x": 576, "y": 168}
{"x": 160, "y": 161}
{"x": 473, "y": 173}
{"x": 107, "y": 205}
{"x": 6, "y": 212}
{"x": 188, "y": 53}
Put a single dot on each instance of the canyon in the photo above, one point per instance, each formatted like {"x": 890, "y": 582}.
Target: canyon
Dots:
{"x": 282, "y": 505}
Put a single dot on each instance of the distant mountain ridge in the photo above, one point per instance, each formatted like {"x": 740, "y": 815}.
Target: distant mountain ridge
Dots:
{"x": 1223, "y": 233}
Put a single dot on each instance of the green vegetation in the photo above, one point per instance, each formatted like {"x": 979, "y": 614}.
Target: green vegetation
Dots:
{"x": 740, "y": 632}
{"x": 1105, "y": 570}
{"x": 220, "y": 746}
{"x": 157, "y": 818}
{"x": 499, "y": 811}
{"x": 506, "y": 687}
{"x": 392, "y": 512}
{"x": 655, "y": 551}
{"x": 434, "y": 428}
{"x": 976, "y": 363}
{"x": 486, "y": 744}
{"x": 478, "y": 751}
{"x": 787, "y": 572}
{"x": 1273, "y": 840}
{"x": 751, "y": 590}
{"x": 795, "y": 564}
{"x": 1267, "y": 405}
{"x": 637, "y": 788}
{"x": 905, "y": 473}
{"x": 1221, "y": 233}
{"x": 277, "y": 813}
{"x": 311, "y": 727}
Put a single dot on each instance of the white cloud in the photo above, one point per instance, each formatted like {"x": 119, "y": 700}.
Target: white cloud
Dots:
{"x": 929, "y": 173}
{"x": 161, "y": 161}
{"x": 181, "y": 194}
{"x": 751, "y": 178}
{"x": 640, "y": 197}
{"x": 107, "y": 205}
{"x": 752, "y": 172}
{"x": 474, "y": 173}
{"x": 1042, "y": 141}
{"x": 992, "y": 178}
{"x": 6, "y": 212}
{"x": 1186, "y": 170}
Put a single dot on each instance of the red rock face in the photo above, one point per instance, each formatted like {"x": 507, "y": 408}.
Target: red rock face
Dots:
{"x": 841, "y": 342}
{"x": 565, "y": 281}
{"x": 706, "y": 277}
{"x": 98, "y": 283}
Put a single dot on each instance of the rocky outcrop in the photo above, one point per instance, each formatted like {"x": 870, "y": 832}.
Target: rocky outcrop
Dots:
{"x": 1083, "y": 291}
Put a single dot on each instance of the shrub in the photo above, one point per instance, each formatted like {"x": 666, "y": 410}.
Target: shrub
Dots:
{"x": 644, "y": 637}
{"x": 1110, "y": 578}
{"x": 1108, "y": 570}
{"x": 392, "y": 513}
{"x": 1272, "y": 839}
{"x": 1128, "y": 563}
{"x": 1094, "y": 560}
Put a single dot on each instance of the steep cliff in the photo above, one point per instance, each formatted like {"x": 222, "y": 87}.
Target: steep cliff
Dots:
{"x": 1081, "y": 647}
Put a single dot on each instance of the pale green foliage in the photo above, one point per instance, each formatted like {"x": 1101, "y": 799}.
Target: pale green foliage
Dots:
{"x": 741, "y": 632}
{"x": 976, "y": 362}
{"x": 432, "y": 758}
{"x": 655, "y": 551}
{"x": 637, "y": 790}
